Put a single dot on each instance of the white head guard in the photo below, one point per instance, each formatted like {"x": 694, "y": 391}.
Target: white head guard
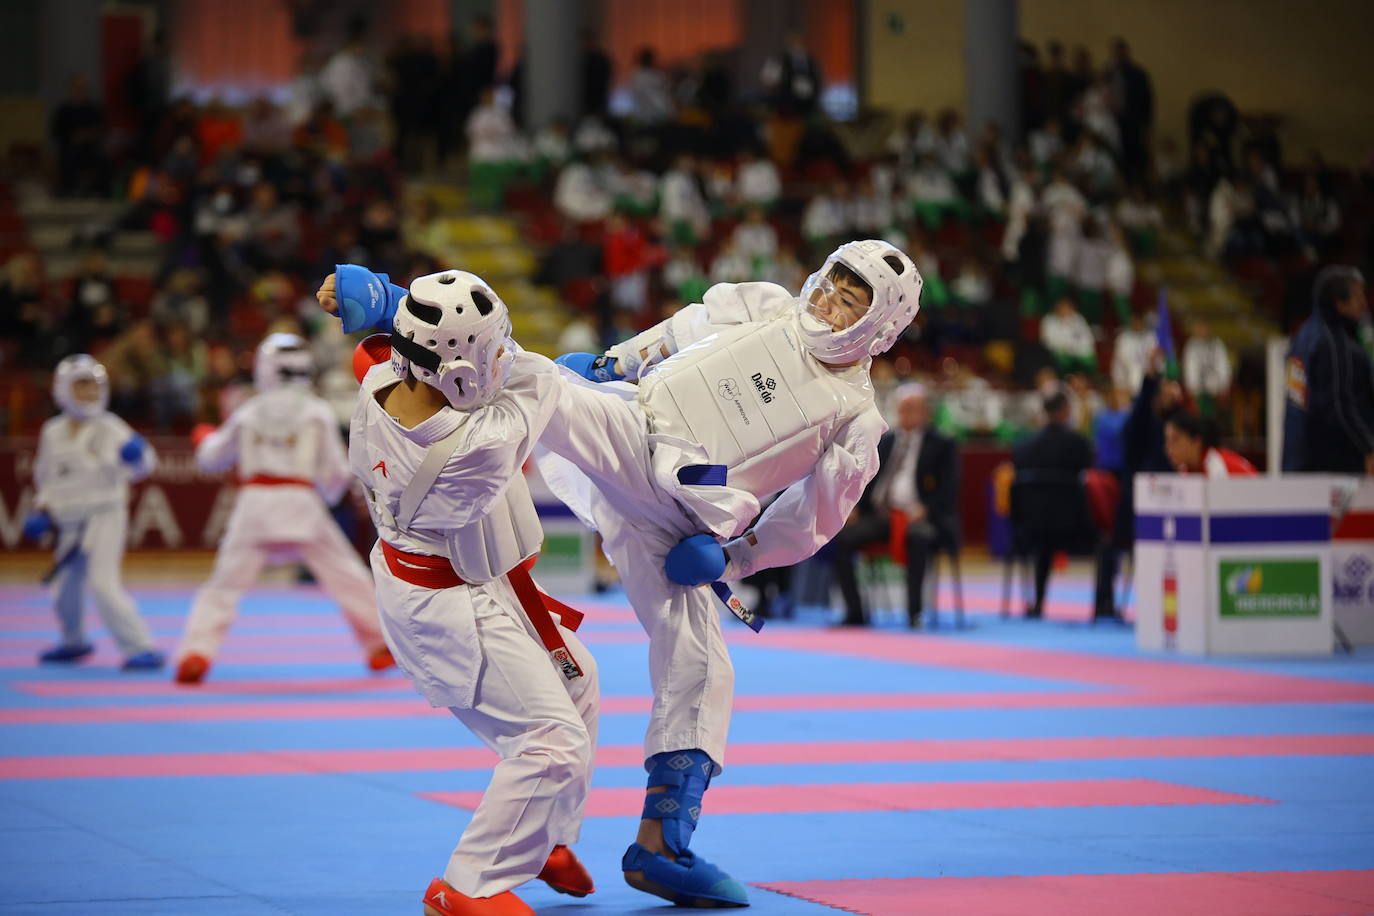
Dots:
{"x": 282, "y": 359}
{"x": 449, "y": 329}
{"x": 75, "y": 368}
{"x": 896, "y": 285}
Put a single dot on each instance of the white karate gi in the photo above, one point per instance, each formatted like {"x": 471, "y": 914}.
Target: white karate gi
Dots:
{"x": 287, "y": 434}
{"x": 84, "y": 486}
{"x": 471, "y": 647}
{"x": 616, "y": 463}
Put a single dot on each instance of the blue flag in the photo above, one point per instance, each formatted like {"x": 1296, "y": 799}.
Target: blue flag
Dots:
{"x": 1164, "y": 336}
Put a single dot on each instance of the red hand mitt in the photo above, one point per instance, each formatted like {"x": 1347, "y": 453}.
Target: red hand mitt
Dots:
{"x": 373, "y": 350}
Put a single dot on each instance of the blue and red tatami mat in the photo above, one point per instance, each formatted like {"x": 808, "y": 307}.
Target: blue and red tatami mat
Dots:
{"x": 1014, "y": 768}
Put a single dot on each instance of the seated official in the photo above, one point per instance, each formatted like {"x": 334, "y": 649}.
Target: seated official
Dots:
{"x": 1190, "y": 441}
{"x": 1051, "y": 505}
{"x": 917, "y": 488}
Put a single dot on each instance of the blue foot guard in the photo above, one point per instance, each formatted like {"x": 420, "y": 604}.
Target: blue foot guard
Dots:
{"x": 691, "y": 880}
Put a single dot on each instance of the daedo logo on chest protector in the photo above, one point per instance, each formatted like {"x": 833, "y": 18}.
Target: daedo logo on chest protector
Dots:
{"x": 764, "y": 386}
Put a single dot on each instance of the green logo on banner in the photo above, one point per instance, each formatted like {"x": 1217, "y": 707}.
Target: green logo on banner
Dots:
{"x": 1269, "y": 588}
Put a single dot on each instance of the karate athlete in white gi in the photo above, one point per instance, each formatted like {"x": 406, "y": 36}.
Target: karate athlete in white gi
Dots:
{"x": 86, "y": 459}
{"x": 439, "y": 437}
{"x": 291, "y": 468}
{"x": 751, "y": 392}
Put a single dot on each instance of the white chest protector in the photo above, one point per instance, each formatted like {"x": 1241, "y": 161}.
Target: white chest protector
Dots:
{"x": 482, "y": 550}
{"x": 755, "y": 401}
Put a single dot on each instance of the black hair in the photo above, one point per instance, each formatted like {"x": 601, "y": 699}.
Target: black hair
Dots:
{"x": 840, "y": 272}
{"x": 1194, "y": 426}
{"x": 1333, "y": 285}
{"x": 1056, "y": 403}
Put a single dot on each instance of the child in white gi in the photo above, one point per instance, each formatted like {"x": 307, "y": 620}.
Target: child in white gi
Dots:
{"x": 87, "y": 458}
{"x": 438, "y": 439}
{"x": 291, "y": 467}
{"x": 751, "y": 392}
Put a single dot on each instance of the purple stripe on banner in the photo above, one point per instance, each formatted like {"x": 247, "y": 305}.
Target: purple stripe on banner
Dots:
{"x": 1187, "y": 528}
{"x": 1254, "y": 529}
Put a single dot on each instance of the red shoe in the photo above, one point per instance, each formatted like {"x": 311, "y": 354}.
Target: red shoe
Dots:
{"x": 192, "y": 669}
{"x": 565, "y": 874}
{"x": 380, "y": 659}
{"x": 442, "y": 900}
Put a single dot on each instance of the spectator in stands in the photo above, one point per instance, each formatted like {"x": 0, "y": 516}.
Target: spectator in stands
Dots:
{"x": 757, "y": 182}
{"x": 271, "y": 230}
{"x": 651, "y": 95}
{"x": 23, "y": 318}
{"x": 494, "y": 150}
{"x": 1046, "y": 144}
{"x": 78, "y": 132}
{"x": 1059, "y": 450}
{"x": 174, "y": 389}
{"x": 424, "y": 231}
{"x": 1191, "y": 444}
{"x": 597, "y": 71}
{"x": 1058, "y": 84}
{"x": 872, "y": 212}
{"x": 1135, "y": 344}
{"x": 1329, "y": 415}
{"x": 971, "y": 287}
{"x": 1120, "y": 274}
{"x": 785, "y": 270}
{"x": 180, "y": 299}
{"x": 792, "y": 79}
{"x": 683, "y": 275}
{"x": 951, "y": 145}
{"x": 1092, "y": 257}
{"x": 1141, "y": 219}
{"x": 681, "y": 204}
{"x": 266, "y": 131}
{"x": 1206, "y": 367}
{"x": 348, "y": 80}
{"x": 730, "y": 265}
{"x": 626, "y": 265}
{"x": 579, "y": 194}
{"x": 1065, "y": 209}
{"x": 1317, "y": 215}
{"x": 757, "y": 240}
{"x": 991, "y": 185}
{"x": 1066, "y": 334}
{"x": 913, "y": 500}
{"x": 1134, "y": 104}
{"x": 932, "y": 192}
{"x": 827, "y": 219}
{"x": 95, "y": 314}
{"x": 218, "y": 131}
{"x": 1108, "y": 427}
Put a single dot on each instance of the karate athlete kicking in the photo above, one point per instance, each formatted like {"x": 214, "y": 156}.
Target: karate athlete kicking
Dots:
{"x": 291, "y": 466}
{"x": 751, "y": 392}
{"x": 438, "y": 438}
{"x": 86, "y": 459}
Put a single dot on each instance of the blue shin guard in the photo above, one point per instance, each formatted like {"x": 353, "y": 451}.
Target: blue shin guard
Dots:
{"x": 690, "y": 880}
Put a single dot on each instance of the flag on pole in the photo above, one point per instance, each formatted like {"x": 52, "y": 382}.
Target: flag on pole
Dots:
{"x": 1164, "y": 336}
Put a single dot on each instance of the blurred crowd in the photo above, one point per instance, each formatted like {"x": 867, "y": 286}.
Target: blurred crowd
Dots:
{"x": 671, "y": 179}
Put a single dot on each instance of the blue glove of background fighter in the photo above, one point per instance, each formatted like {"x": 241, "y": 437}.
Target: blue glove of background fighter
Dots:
{"x": 36, "y": 524}
{"x": 591, "y": 366}
{"x": 696, "y": 560}
{"x": 130, "y": 452}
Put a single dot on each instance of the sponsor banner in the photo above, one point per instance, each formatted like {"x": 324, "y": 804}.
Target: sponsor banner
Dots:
{"x": 1269, "y": 587}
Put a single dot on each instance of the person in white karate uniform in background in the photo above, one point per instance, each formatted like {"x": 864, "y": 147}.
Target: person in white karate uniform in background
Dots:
{"x": 749, "y": 393}
{"x": 291, "y": 467}
{"x": 441, "y": 431}
{"x": 87, "y": 457}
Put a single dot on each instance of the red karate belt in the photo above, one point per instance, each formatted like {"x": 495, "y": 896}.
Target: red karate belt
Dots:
{"x": 896, "y": 536}
{"x": 436, "y": 572}
{"x": 268, "y": 480}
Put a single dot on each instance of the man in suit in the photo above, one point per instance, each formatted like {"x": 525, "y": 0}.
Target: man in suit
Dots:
{"x": 918, "y": 476}
{"x": 1052, "y": 508}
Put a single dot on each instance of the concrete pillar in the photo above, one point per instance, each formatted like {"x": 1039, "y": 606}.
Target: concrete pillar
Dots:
{"x": 553, "y": 52}
{"x": 990, "y": 62}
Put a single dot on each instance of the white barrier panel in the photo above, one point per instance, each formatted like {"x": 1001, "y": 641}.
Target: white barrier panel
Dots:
{"x": 1235, "y": 566}
{"x": 1352, "y": 559}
